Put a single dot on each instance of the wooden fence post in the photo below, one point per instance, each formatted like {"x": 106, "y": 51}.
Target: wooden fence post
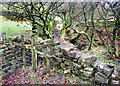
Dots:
{"x": 23, "y": 51}
{"x": 47, "y": 65}
{"x": 47, "y": 61}
{"x": 34, "y": 53}
{"x": 52, "y": 48}
{"x": 44, "y": 50}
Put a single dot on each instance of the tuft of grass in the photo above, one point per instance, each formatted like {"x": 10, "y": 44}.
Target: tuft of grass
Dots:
{"x": 12, "y": 27}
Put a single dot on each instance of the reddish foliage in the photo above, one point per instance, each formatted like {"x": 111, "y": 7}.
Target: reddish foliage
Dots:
{"x": 18, "y": 19}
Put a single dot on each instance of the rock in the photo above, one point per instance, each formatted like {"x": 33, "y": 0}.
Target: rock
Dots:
{"x": 114, "y": 74}
{"x": 6, "y": 69}
{"x": 103, "y": 68}
{"x": 9, "y": 51}
{"x": 17, "y": 52}
{"x": 92, "y": 79}
{"x": 6, "y": 65}
{"x": 3, "y": 46}
{"x": 88, "y": 74}
{"x": 11, "y": 47}
{"x": 28, "y": 41}
{"x": 77, "y": 71}
{"x": 115, "y": 82}
{"x": 66, "y": 52}
{"x": 62, "y": 65}
{"x": 3, "y": 35}
{"x": 58, "y": 54}
{"x": 58, "y": 59}
{"x": 87, "y": 60}
{"x": 106, "y": 70}
{"x": 88, "y": 69}
{"x": 118, "y": 70}
{"x": 74, "y": 54}
{"x": 68, "y": 62}
{"x": 77, "y": 65}
{"x": 1, "y": 55}
{"x": 95, "y": 64}
{"x": 10, "y": 55}
{"x": 10, "y": 40}
{"x": 1, "y": 39}
{"x": 69, "y": 67}
{"x": 67, "y": 71}
{"x": 110, "y": 65}
{"x": 55, "y": 62}
{"x": 16, "y": 39}
{"x": 1, "y": 51}
{"x": 101, "y": 78}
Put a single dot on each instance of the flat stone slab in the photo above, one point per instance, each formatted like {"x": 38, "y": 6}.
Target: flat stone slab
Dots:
{"x": 67, "y": 71}
{"x": 88, "y": 69}
{"x": 115, "y": 82}
{"x": 87, "y": 60}
{"x": 101, "y": 78}
{"x": 103, "y": 68}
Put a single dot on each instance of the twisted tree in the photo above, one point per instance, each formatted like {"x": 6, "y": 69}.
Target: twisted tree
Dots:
{"x": 39, "y": 13}
{"x": 114, "y": 8}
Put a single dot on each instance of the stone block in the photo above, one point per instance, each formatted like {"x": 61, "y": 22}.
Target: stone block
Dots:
{"x": 77, "y": 71}
{"x": 103, "y": 68}
{"x": 115, "y": 75}
{"x": 118, "y": 70}
{"x": 88, "y": 69}
{"x": 74, "y": 54}
{"x": 67, "y": 71}
{"x": 87, "y": 60}
{"x": 9, "y": 51}
{"x": 101, "y": 78}
{"x": 115, "y": 82}
{"x": 88, "y": 74}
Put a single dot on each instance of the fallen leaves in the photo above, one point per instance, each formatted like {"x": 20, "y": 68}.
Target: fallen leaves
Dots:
{"x": 28, "y": 77}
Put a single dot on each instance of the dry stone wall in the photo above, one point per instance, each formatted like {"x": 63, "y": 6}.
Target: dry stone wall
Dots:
{"x": 11, "y": 57}
{"x": 89, "y": 68}
{"x": 86, "y": 66}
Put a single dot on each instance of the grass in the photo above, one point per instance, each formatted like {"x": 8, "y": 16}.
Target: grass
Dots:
{"x": 12, "y": 27}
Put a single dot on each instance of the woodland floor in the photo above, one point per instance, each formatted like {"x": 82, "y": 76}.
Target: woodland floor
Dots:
{"x": 56, "y": 76}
